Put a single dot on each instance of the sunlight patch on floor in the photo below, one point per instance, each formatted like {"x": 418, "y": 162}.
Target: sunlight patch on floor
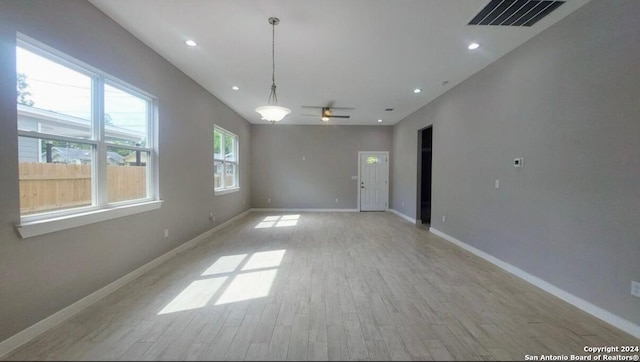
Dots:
{"x": 225, "y": 264}
{"x": 233, "y": 277}
{"x": 264, "y": 259}
{"x": 248, "y": 286}
{"x": 196, "y": 295}
{"x": 278, "y": 221}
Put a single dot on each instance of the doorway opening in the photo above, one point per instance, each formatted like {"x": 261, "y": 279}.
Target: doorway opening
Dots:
{"x": 425, "y": 147}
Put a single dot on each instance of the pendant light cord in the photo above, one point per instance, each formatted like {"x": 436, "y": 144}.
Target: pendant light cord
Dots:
{"x": 273, "y": 97}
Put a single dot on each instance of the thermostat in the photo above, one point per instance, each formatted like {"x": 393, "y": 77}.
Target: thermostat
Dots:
{"x": 518, "y": 162}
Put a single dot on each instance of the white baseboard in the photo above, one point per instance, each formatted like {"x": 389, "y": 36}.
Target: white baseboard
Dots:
{"x": 615, "y": 320}
{"x": 303, "y": 210}
{"x": 42, "y": 326}
{"x": 411, "y": 220}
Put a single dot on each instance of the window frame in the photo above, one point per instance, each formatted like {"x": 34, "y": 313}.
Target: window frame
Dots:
{"x": 236, "y": 187}
{"x": 99, "y": 145}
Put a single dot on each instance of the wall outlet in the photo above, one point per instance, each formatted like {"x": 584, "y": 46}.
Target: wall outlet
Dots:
{"x": 497, "y": 184}
{"x": 166, "y": 233}
{"x": 211, "y": 216}
{"x": 336, "y": 199}
{"x": 443, "y": 218}
{"x": 635, "y": 288}
{"x": 268, "y": 200}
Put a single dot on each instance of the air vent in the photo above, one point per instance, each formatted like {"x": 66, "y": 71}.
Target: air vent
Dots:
{"x": 388, "y": 109}
{"x": 515, "y": 12}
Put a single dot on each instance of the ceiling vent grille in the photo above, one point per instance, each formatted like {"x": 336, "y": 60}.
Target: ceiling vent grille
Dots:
{"x": 515, "y": 12}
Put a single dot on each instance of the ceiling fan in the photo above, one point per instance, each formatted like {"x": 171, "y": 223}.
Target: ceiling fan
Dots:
{"x": 326, "y": 112}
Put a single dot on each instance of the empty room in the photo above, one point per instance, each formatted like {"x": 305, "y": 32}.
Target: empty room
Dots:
{"x": 320, "y": 180}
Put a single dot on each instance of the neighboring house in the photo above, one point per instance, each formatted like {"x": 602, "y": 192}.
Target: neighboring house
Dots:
{"x": 80, "y": 157}
{"x": 40, "y": 120}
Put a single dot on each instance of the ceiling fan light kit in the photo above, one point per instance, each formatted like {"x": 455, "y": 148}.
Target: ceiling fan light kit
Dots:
{"x": 325, "y": 114}
{"x": 272, "y": 112}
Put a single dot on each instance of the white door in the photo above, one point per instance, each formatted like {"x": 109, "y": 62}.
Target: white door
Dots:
{"x": 374, "y": 181}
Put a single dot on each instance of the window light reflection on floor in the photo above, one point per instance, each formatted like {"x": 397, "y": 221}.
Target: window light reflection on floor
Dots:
{"x": 233, "y": 277}
{"x": 264, "y": 259}
{"x": 225, "y": 264}
{"x": 196, "y": 295}
{"x": 248, "y": 286}
{"x": 278, "y": 221}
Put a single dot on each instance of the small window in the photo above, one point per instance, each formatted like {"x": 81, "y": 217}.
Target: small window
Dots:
{"x": 225, "y": 160}
{"x": 84, "y": 138}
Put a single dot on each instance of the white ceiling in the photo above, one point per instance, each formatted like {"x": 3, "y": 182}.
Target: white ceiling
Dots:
{"x": 365, "y": 54}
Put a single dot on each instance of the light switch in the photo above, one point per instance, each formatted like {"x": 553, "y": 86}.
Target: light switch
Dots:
{"x": 497, "y": 184}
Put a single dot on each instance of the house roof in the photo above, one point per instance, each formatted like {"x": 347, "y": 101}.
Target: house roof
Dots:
{"x": 70, "y": 154}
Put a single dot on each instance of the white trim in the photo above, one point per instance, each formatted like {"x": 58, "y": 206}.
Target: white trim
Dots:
{"x": 39, "y": 227}
{"x": 226, "y": 191}
{"x": 303, "y": 210}
{"x": 409, "y": 219}
{"x": 44, "y": 325}
{"x": 590, "y": 308}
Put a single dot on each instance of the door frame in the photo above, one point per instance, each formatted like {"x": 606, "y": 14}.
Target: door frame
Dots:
{"x": 386, "y": 153}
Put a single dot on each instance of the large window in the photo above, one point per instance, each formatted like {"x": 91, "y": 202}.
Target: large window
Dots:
{"x": 225, "y": 160}
{"x": 86, "y": 140}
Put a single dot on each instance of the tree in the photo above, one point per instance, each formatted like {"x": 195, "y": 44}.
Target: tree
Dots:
{"x": 23, "y": 94}
{"x": 217, "y": 139}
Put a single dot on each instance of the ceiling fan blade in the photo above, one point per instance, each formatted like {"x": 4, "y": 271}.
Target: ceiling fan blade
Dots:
{"x": 311, "y": 107}
{"x": 341, "y": 108}
{"x": 312, "y": 115}
{"x": 332, "y": 116}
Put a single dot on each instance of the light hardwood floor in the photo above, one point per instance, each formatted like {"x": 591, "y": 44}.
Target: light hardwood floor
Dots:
{"x": 334, "y": 286}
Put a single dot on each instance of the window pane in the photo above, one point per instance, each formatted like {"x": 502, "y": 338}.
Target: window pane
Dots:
{"x": 52, "y": 98}
{"x": 126, "y": 174}
{"x": 217, "y": 145}
{"x": 230, "y": 175}
{"x": 53, "y": 175}
{"x": 229, "y": 148}
{"x": 125, "y": 117}
{"x": 217, "y": 174}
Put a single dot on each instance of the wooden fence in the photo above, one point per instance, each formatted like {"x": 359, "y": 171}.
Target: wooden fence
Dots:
{"x": 54, "y": 186}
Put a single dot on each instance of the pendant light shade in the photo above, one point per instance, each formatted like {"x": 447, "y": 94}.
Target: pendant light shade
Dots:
{"x": 272, "y": 112}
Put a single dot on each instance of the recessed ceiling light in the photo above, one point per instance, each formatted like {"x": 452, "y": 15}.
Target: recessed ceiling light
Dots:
{"x": 235, "y": 87}
{"x": 379, "y": 121}
{"x": 417, "y": 90}
{"x": 473, "y": 46}
{"x": 191, "y": 43}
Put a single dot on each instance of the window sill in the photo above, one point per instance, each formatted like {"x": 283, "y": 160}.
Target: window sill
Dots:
{"x": 226, "y": 191}
{"x": 41, "y": 227}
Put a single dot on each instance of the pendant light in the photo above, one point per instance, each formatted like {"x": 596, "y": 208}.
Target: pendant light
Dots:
{"x": 272, "y": 112}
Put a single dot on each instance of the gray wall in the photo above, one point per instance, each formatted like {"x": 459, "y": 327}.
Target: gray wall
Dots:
{"x": 568, "y": 102}
{"x": 41, "y": 275}
{"x": 331, "y": 152}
